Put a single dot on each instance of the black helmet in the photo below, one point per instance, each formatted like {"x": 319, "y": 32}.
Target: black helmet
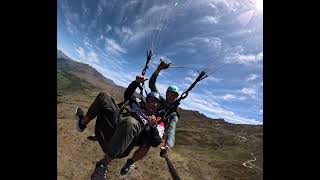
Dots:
{"x": 155, "y": 95}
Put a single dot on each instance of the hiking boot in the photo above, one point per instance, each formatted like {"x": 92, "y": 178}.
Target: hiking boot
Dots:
{"x": 127, "y": 167}
{"x": 100, "y": 172}
{"x": 79, "y": 117}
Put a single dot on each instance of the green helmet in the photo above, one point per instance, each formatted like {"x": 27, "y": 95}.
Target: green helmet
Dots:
{"x": 173, "y": 88}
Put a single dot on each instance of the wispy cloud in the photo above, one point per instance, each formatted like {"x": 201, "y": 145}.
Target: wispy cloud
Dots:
{"x": 213, "y": 79}
{"x": 92, "y": 56}
{"x": 240, "y": 33}
{"x": 209, "y": 106}
{"x": 208, "y": 20}
{"x": 71, "y": 19}
{"x": 189, "y": 79}
{"x": 246, "y": 59}
{"x": 126, "y": 8}
{"x": 102, "y": 5}
{"x": 259, "y": 57}
{"x": 214, "y": 110}
{"x": 84, "y": 7}
{"x": 124, "y": 33}
{"x": 229, "y": 96}
{"x": 201, "y": 30}
{"x": 113, "y": 47}
{"x": 87, "y": 43}
{"x": 108, "y": 28}
{"x": 252, "y": 77}
{"x": 121, "y": 78}
{"x": 81, "y": 53}
{"x": 249, "y": 92}
{"x": 245, "y": 18}
{"x": 87, "y": 57}
{"x": 209, "y": 46}
{"x": 143, "y": 26}
{"x": 213, "y": 42}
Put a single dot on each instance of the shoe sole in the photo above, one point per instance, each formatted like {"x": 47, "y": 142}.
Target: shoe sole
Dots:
{"x": 127, "y": 173}
{"x": 92, "y": 138}
{"x": 77, "y": 120}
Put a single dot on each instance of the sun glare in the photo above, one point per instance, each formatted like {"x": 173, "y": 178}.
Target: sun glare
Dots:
{"x": 259, "y": 5}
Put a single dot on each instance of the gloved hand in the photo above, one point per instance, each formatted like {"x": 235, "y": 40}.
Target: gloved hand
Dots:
{"x": 140, "y": 79}
{"x": 163, "y": 65}
{"x": 152, "y": 121}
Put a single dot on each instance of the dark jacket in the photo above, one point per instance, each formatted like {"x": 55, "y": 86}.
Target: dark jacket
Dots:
{"x": 149, "y": 135}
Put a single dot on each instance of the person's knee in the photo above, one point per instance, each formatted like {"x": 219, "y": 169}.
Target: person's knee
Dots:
{"x": 103, "y": 95}
{"x": 132, "y": 123}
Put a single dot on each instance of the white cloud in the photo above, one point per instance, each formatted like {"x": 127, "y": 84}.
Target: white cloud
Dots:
{"x": 203, "y": 105}
{"x": 113, "y": 47}
{"x": 208, "y": 46}
{"x": 252, "y": 77}
{"x": 214, "y": 79}
{"x": 185, "y": 85}
{"x": 126, "y": 9}
{"x": 229, "y": 96}
{"x": 209, "y": 20}
{"x": 211, "y": 108}
{"x": 71, "y": 19}
{"x": 87, "y": 57}
{"x": 120, "y": 77}
{"x": 236, "y": 119}
{"x": 197, "y": 99}
{"x": 85, "y": 9}
{"x": 245, "y": 18}
{"x": 189, "y": 79}
{"x": 208, "y": 80}
{"x": 240, "y": 33}
{"x": 108, "y": 28}
{"x": 124, "y": 33}
{"x": 143, "y": 27}
{"x": 102, "y": 4}
{"x": 81, "y": 53}
{"x": 92, "y": 56}
{"x": 212, "y": 5}
{"x": 87, "y": 43}
{"x": 246, "y": 59}
{"x": 197, "y": 41}
{"x": 249, "y": 92}
{"x": 259, "y": 57}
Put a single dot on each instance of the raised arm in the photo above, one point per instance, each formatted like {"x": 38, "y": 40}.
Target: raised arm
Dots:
{"x": 133, "y": 86}
{"x": 153, "y": 79}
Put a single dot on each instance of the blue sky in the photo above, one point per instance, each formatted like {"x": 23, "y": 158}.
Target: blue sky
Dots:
{"x": 225, "y": 36}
